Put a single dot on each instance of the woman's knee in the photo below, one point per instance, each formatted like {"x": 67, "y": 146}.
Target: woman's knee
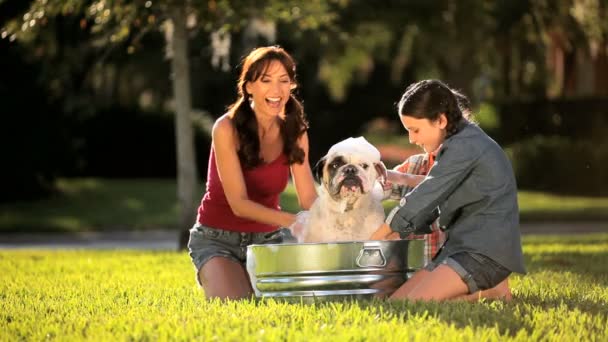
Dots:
{"x": 225, "y": 279}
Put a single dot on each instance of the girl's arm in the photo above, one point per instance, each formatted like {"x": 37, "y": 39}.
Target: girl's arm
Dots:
{"x": 401, "y": 178}
{"x": 400, "y": 183}
{"x": 302, "y": 177}
{"x": 454, "y": 163}
{"x": 231, "y": 176}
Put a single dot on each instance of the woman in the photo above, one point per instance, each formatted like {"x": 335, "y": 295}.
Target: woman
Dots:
{"x": 470, "y": 188}
{"x": 255, "y": 145}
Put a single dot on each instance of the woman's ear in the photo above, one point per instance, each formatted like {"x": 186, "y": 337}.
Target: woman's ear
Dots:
{"x": 247, "y": 89}
{"x": 293, "y": 86}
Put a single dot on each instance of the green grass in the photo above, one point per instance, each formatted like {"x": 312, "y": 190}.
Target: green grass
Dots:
{"x": 143, "y": 295}
{"x": 103, "y": 204}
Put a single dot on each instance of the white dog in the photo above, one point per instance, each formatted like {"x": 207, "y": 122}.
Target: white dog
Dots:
{"x": 349, "y": 204}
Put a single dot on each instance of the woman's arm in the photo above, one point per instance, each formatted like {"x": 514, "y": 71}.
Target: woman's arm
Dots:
{"x": 229, "y": 169}
{"x": 302, "y": 177}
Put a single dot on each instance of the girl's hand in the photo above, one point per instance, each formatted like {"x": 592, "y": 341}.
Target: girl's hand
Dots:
{"x": 404, "y": 178}
{"x": 384, "y": 232}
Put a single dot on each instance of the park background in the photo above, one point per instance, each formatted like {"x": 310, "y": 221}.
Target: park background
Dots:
{"x": 107, "y": 105}
{"x": 106, "y": 110}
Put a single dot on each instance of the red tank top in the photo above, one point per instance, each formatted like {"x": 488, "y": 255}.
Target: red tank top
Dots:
{"x": 264, "y": 184}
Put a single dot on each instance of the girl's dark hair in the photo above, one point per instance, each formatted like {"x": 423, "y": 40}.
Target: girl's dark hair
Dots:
{"x": 292, "y": 126}
{"x": 429, "y": 98}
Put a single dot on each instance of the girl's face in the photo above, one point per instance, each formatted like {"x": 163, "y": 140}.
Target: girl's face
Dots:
{"x": 270, "y": 91}
{"x": 428, "y": 134}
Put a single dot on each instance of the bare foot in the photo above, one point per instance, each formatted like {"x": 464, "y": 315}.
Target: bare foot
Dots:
{"x": 500, "y": 291}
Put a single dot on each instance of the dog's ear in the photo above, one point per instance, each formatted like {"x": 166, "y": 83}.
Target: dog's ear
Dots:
{"x": 381, "y": 171}
{"x": 317, "y": 171}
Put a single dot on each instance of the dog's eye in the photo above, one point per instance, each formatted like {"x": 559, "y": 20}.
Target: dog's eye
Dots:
{"x": 334, "y": 165}
{"x": 364, "y": 166}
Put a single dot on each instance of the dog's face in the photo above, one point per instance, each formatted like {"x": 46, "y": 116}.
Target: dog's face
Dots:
{"x": 350, "y": 169}
{"x": 347, "y": 208}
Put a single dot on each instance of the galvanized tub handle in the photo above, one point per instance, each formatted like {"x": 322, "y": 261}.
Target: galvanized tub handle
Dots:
{"x": 371, "y": 257}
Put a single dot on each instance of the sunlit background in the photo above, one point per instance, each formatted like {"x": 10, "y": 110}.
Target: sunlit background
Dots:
{"x": 92, "y": 89}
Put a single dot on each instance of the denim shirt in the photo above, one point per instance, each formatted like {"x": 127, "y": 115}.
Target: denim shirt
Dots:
{"x": 471, "y": 188}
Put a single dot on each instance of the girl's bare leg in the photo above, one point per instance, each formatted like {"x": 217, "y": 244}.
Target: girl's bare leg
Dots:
{"x": 225, "y": 279}
{"x": 440, "y": 284}
{"x": 500, "y": 291}
{"x": 404, "y": 289}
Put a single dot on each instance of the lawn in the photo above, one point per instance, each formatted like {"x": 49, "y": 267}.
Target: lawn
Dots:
{"x": 102, "y": 204}
{"x": 144, "y": 295}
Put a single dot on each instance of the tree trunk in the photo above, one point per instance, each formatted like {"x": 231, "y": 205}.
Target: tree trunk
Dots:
{"x": 187, "y": 183}
{"x": 600, "y": 65}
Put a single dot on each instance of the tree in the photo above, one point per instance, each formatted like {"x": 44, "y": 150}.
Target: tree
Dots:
{"x": 115, "y": 21}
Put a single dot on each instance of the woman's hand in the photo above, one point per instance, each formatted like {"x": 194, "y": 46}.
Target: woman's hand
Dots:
{"x": 299, "y": 226}
{"x": 302, "y": 177}
{"x": 385, "y": 233}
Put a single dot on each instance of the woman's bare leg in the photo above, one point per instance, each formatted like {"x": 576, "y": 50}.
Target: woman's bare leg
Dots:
{"x": 225, "y": 279}
{"x": 500, "y": 291}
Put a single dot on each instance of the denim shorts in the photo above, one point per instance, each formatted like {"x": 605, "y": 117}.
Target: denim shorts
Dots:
{"x": 206, "y": 243}
{"x": 477, "y": 271}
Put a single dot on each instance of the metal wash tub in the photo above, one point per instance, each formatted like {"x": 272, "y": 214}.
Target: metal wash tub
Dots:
{"x": 361, "y": 269}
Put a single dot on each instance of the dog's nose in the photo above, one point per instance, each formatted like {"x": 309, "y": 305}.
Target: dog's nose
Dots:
{"x": 350, "y": 170}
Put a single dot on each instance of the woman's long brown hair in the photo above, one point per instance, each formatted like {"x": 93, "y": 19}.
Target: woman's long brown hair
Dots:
{"x": 292, "y": 126}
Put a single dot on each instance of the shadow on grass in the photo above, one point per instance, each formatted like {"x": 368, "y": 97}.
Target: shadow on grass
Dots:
{"x": 566, "y": 239}
{"x": 589, "y": 266}
{"x": 560, "y": 273}
{"x": 96, "y": 205}
{"x": 510, "y": 318}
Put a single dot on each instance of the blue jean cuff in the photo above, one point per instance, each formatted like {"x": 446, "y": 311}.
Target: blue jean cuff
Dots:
{"x": 464, "y": 274}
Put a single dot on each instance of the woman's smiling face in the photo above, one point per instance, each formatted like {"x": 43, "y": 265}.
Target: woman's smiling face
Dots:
{"x": 271, "y": 91}
{"x": 428, "y": 134}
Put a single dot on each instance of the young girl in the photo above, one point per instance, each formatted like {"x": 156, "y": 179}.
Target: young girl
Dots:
{"x": 471, "y": 190}
{"x": 255, "y": 146}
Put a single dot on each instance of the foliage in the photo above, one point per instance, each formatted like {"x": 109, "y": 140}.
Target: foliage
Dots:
{"x": 561, "y": 165}
{"x": 76, "y": 40}
{"x": 116, "y": 21}
{"x": 34, "y": 146}
{"x": 108, "y": 147}
{"x": 582, "y": 119}
{"x": 142, "y": 295}
{"x": 487, "y": 117}
{"x": 72, "y": 40}
{"x": 355, "y": 57}
{"x": 504, "y": 55}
